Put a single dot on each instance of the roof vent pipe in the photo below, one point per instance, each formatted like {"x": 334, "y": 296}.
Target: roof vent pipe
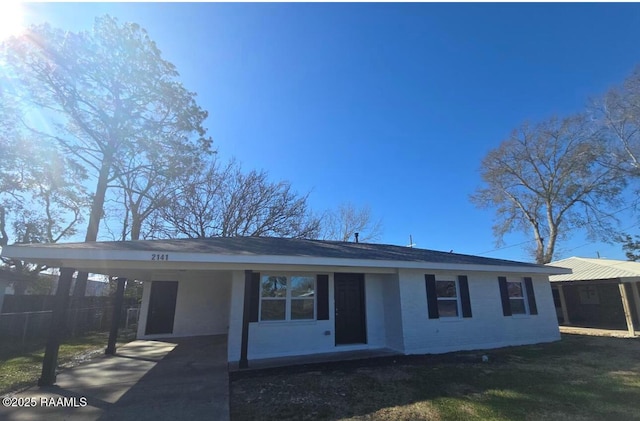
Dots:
{"x": 356, "y": 235}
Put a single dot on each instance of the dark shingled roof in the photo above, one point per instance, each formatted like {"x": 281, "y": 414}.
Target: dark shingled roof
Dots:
{"x": 248, "y": 246}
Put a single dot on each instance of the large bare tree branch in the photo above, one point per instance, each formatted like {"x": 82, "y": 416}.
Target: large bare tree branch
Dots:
{"x": 538, "y": 177}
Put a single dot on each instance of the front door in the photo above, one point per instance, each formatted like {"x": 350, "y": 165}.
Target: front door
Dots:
{"x": 349, "y": 308}
{"x": 162, "y": 307}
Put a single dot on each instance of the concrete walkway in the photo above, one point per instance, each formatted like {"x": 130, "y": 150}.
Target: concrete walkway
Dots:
{"x": 160, "y": 380}
{"x": 589, "y": 331}
{"x": 315, "y": 359}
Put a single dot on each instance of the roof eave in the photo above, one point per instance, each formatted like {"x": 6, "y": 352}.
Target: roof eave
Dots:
{"x": 92, "y": 258}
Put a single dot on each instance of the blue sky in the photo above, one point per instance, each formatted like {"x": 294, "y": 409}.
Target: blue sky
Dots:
{"x": 387, "y": 105}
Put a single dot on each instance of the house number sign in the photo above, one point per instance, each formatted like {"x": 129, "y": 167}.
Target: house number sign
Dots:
{"x": 159, "y": 257}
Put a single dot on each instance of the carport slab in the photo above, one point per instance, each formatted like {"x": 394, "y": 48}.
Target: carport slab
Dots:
{"x": 170, "y": 379}
{"x": 589, "y": 331}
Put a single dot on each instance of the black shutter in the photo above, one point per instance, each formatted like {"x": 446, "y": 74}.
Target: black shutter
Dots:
{"x": 463, "y": 283}
{"x": 531, "y": 298}
{"x": 504, "y": 295}
{"x": 322, "y": 296}
{"x": 432, "y": 298}
{"x": 254, "y": 303}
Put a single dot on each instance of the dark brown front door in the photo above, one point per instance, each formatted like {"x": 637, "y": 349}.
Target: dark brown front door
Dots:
{"x": 349, "y": 307}
{"x": 162, "y": 307}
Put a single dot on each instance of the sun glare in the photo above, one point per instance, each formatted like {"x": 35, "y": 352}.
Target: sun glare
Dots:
{"x": 11, "y": 18}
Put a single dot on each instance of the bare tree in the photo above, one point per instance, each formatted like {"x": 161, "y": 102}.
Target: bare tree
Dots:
{"x": 224, "y": 201}
{"x": 148, "y": 185}
{"x": 344, "y": 222}
{"x": 618, "y": 113}
{"x": 195, "y": 210}
{"x": 549, "y": 180}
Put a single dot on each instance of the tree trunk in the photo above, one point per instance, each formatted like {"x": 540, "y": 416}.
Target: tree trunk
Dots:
{"x": 97, "y": 208}
{"x": 539, "y": 243}
{"x": 539, "y": 252}
{"x": 4, "y": 238}
{"x": 136, "y": 223}
{"x": 551, "y": 244}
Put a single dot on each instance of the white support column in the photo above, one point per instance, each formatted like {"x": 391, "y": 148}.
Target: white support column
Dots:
{"x": 236, "y": 309}
{"x": 626, "y": 305}
{"x": 563, "y": 306}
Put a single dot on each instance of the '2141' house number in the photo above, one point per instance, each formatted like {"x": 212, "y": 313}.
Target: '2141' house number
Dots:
{"x": 159, "y": 257}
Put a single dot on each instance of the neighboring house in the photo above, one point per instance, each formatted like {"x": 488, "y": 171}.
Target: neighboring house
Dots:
{"x": 276, "y": 297}
{"x": 97, "y": 286}
{"x": 46, "y": 284}
{"x": 8, "y": 279}
{"x": 599, "y": 293}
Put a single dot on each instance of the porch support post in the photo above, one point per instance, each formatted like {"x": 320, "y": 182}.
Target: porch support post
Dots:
{"x": 626, "y": 305}
{"x": 246, "y": 314}
{"x": 636, "y": 298}
{"x": 58, "y": 325}
{"x": 563, "y": 306}
{"x": 3, "y": 287}
{"x": 115, "y": 317}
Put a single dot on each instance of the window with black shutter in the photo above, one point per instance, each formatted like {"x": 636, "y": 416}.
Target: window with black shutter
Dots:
{"x": 517, "y": 296}
{"x": 448, "y": 297}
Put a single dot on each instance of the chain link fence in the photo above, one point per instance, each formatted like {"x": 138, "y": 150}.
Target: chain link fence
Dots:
{"x": 33, "y": 326}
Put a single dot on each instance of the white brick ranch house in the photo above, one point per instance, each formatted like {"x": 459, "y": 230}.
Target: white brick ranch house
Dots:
{"x": 276, "y": 297}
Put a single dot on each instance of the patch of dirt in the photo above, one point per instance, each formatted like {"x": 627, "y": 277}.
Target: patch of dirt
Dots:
{"x": 459, "y": 389}
{"x": 386, "y": 374}
{"x": 449, "y": 386}
{"x": 411, "y": 412}
{"x": 82, "y": 358}
{"x": 373, "y": 389}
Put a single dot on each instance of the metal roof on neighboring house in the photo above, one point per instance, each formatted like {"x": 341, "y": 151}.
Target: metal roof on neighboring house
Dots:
{"x": 585, "y": 269}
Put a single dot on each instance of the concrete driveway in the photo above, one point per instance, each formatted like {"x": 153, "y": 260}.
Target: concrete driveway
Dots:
{"x": 160, "y": 380}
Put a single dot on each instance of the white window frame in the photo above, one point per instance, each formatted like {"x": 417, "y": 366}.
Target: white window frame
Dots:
{"x": 288, "y": 299}
{"x": 525, "y": 299}
{"x": 456, "y": 298}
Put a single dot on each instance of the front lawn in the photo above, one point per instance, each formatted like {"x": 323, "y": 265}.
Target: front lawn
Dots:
{"x": 577, "y": 378}
{"x": 21, "y": 365}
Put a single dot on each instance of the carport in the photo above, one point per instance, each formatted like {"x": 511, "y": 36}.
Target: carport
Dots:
{"x": 179, "y": 378}
{"x": 599, "y": 293}
{"x": 203, "y": 305}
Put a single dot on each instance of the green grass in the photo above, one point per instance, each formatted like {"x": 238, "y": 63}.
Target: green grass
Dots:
{"x": 21, "y": 365}
{"x": 578, "y": 378}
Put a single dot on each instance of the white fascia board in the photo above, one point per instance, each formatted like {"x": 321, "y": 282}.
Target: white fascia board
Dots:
{"x": 627, "y": 280}
{"x": 173, "y": 260}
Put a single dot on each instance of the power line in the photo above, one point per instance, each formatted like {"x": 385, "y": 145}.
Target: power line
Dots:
{"x": 586, "y": 244}
{"x": 506, "y": 247}
{"x": 634, "y": 204}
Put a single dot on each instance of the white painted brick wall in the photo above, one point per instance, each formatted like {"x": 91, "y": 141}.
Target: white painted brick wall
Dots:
{"x": 375, "y": 311}
{"x": 392, "y": 313}
{"x": 488, "y": 328}
{"x": 396, "y": 317}
{"x": 202, "y": 306}
{"x": 279, "y": 339}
